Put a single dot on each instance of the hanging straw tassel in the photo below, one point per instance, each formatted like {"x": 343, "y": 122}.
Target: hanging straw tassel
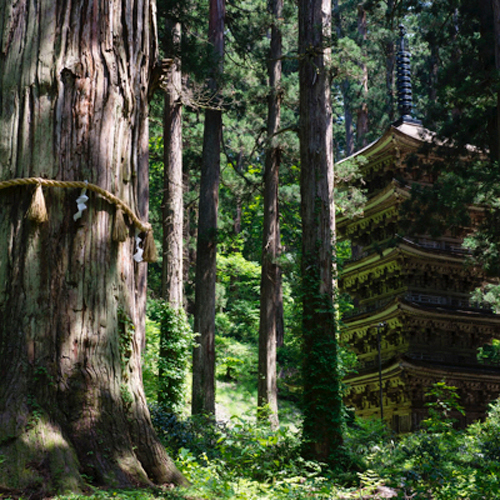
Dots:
{"x": 120, "y": 229}
{"x": 150, "y": 254}
{"x": 38, "y": 210}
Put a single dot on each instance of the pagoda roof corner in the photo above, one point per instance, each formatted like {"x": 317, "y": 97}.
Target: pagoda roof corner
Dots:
{"x": 407, "y": 134}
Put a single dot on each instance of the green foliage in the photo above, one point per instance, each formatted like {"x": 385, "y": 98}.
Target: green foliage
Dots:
{"x": 262, "y": 454}
{"x": 236, "y": 361}
{"x": 349, "y": 196}
{"x": 177, "y": 433}
{"x": 176, "y": 343}
{"x": 362, "y": 437}
{"x": 490, "y": 353}
{"x": 321, "y": 397}
{"x": 150, "y": 357}
{"x": 132, "y": 494}
{"x": 238, "y": 297}
{"x": 489, "y": 294}
{"x": 165, "y": 361}
{"x": 438, "y": 461}
{"x": 242, "y": 460}
{"x": 443, "y": 400}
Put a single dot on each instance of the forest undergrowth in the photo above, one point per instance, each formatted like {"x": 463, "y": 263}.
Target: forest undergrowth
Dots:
{"x": 242, "y": 459}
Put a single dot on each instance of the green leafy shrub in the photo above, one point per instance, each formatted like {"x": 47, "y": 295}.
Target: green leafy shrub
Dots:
{"x": 439, "y": 462}
{"x": 258, "y": 452}
{"x": 169, "y": 342}
{"x": 236, "y": 360}
{"x": 238, "y": 297}
{"x": 150, "y": 360}
{"x": 176, "y": 344}
{"x": 443, "y": 401}
{"x": 195, "y": 433}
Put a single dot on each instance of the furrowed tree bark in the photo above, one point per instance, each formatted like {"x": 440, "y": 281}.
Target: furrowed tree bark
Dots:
{"x": 73, "y": 106}
{"x": 321, "y": 398}
{"x": 173, "y": 208}
{"x": 203, "y": 394}
{"x": 270, "y": 284}
{"x": 173, "y": 202}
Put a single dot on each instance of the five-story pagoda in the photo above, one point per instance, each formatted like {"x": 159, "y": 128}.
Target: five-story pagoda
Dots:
{"x": 413, "y": 324}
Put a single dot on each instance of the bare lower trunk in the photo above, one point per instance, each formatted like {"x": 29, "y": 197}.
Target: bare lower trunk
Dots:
{"x": 173, "y": 209}
{"x": 271, "y": 275}
{"x": 203, "y": 395}
{"x": 321, "y": 395}
{"x": 73, "y": 106}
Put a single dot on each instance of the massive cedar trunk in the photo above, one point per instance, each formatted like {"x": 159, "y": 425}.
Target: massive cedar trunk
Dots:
{"x": 322, "y": 403}
{"x": 203, "y": 394}
{"x": 73, "y": 106}
{"x": 270, "y": 284}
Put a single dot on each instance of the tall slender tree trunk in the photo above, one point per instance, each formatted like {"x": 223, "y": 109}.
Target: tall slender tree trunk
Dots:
{"x": 74, "y": 79}
{"x": 322, "y": 401}
{"x": 348, "y": 122}
{"x": 362, "y": 118}
{"x": 345, "y": 89}
{"x": 173, "y": 206}
{"x": 203, "y": 394}
{"x": 271, "y": 273}
{"x": 496, "y": 31}
{"x": 390, "y": 61}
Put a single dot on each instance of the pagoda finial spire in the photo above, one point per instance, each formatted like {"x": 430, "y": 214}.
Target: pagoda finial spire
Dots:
{"x": 405, "y": 104}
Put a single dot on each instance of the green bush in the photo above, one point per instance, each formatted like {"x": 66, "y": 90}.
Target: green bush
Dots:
{"x": 169, "y": 343}
{"x": 439, "y": 462}
{"x": 176, "y": 344}
{"x": 236, "y": 361}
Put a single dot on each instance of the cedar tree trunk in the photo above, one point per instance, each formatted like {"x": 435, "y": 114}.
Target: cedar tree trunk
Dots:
{"x": 348, "y": 124}
{"x": 173, "y": 202}
{"x": 362, "y": 118}
{"x": 322, "y": 402}
{"x": 73, "y": 106}
{"x": 173, "y": 209}
{"x": 496, "y": 32}
{"x": 203, "y": 395}
{"x": 390, "y": 60}
{"x": 271, "y": 273}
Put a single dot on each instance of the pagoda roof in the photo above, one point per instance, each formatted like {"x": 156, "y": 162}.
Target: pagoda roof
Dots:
{"x": 406, "y": 135}
{"x": 394, "y": 311}
{"x": 388, "y": 197}
{"x": 404, "y": 248}
{"x": 396, "y": 366}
